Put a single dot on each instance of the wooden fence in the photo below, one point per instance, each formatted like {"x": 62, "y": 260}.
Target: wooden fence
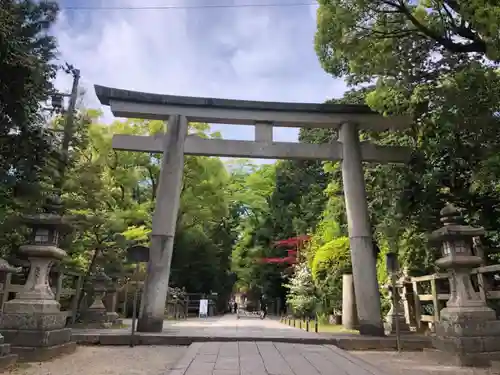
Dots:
{"x": 174, "y": 308}
{"x": 434, "y": 291}
{"x": 8, "y": 290}
{"x": 67, "y": 287}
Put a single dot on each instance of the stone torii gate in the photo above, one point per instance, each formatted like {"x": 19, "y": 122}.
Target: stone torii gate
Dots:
{"x": 175, "y": 143}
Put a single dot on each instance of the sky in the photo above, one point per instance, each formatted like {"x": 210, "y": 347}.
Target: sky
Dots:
{"x": 253, "y": 53}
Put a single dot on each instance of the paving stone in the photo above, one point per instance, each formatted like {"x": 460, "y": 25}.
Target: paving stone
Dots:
{"x": 200, "y": 368}
{"x": 297, "y": 362}
{"x": 274, "y": 363}
{"x": 247, "y": 349}
{"x": 344, "y": 363}
{"x": 227, "y": 363}
{"x": 251, "y": 362}
{"x": 188, "y": 357}
{"x": 226, "y": 372}
{"x": 354, "y": 359}
{"x": 327, "y": 362}
{"x": 210, "y": 348}
{"x": 229, "y": 349}
{"x": 208, "y": 358}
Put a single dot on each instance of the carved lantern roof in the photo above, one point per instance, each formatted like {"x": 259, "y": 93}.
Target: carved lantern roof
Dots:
{"x": 51, "y": 217}
{"x": 453, "y": 226}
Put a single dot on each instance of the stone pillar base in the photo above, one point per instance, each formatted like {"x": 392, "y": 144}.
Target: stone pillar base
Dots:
{"x": 468, "y": 336}
{"x": 37, "y": 336}
{"x": 98, "y": 318}
{"x": 150, "y": 324}
{"x": 45, "y": 353}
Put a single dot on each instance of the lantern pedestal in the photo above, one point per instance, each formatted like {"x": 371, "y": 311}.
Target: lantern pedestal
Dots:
{"x": 110, "y": 303}
{"x": 469, "y": 337}
{"x": 467, "y": 327}
{"x": 32, "y": 323}
{"x": 99, "y": 317}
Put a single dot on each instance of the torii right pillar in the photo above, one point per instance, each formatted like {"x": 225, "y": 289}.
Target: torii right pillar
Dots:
{"x": 364, "y": 263}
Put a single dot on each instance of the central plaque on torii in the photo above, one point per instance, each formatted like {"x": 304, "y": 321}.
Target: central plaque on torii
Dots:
{"x": 175, "y": 143}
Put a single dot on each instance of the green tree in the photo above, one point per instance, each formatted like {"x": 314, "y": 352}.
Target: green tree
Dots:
{"x": 250, "y": 188}
{"x": 113, "y": 192}
{"x": 27, "y": 52}
{"x": 27, "y": 152}
{"x": 415, "y": 52}
{"x": 358, "y": 37}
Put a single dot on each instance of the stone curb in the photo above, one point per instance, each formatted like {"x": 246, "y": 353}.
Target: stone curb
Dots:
{"x": 347, "y": 343}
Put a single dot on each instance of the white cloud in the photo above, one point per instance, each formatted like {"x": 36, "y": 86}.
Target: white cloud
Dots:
{"x": 259, "y": 53}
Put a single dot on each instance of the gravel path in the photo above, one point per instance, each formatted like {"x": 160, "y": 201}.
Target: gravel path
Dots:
{"x": 416, "y": 363}
{"x": 108, "y": 360}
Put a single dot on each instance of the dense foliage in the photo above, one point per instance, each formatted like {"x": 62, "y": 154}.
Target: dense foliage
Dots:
{"x": 27, "y": 149}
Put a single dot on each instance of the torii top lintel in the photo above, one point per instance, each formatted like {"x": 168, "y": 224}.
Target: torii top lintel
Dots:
{"x": 135, "y": 104}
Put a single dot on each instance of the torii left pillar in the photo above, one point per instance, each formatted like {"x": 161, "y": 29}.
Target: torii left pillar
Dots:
{"x": 164, "y": 221}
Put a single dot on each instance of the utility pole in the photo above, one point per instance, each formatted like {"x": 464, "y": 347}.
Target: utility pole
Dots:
{"x": 68, "y": 125}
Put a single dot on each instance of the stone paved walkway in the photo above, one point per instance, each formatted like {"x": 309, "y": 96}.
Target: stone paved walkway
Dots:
{"x": 219, "y": 326}
{"x": 268, "y": 358}
{"x": 226, "y": 326}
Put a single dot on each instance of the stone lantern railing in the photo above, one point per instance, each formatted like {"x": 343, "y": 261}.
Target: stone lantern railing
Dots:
{"x": 32, "y": 322}
{"x": 6, "y": 268}
{"x": 467, "y": 327}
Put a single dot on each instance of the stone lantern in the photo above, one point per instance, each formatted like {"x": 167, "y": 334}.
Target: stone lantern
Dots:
{"x": 32, "y": 322}
{"x": 97, "y": 315}
{"x": 100, "y": 282}
{"x": 467, "y": 327}
{"x": 396, "y": 311}
{"x": 111, "y": 297}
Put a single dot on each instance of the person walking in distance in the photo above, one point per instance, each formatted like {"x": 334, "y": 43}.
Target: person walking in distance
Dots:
{"x": 263, "y": 306}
